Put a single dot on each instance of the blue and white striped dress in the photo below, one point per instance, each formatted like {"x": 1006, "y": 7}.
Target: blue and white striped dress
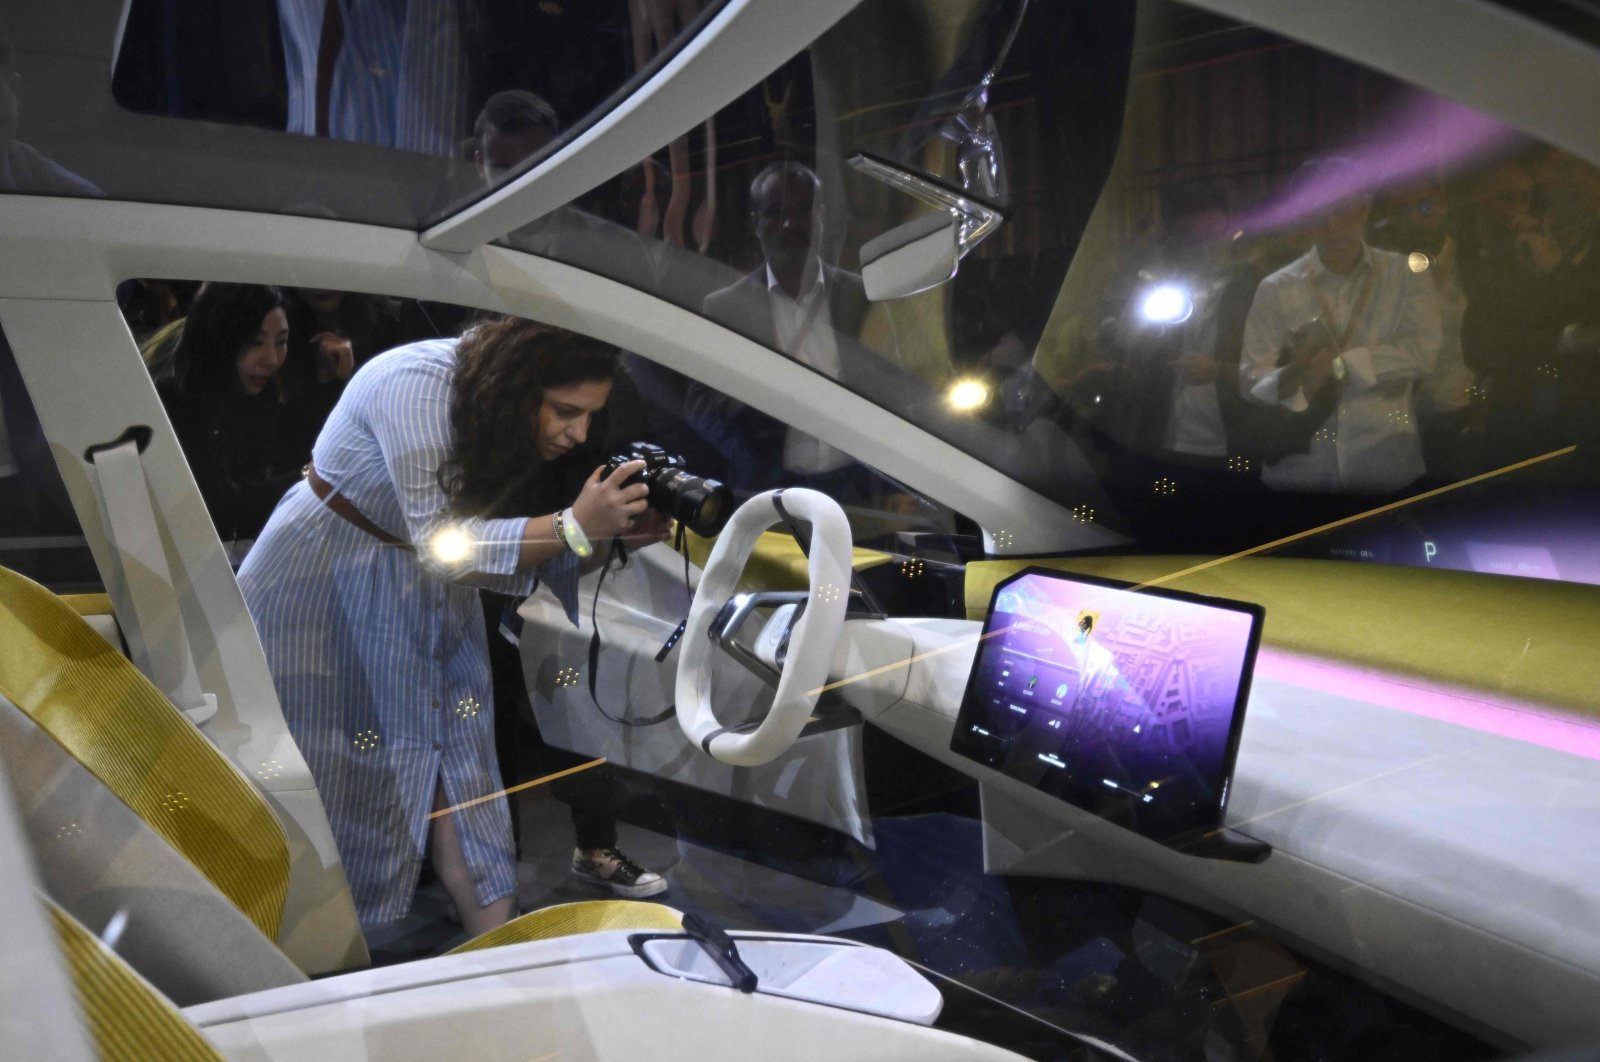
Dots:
{"x": 400, "y": 78}
{"x": 377, "y": 653}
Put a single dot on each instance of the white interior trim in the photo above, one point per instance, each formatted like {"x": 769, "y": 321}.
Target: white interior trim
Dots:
{"x": 41, "y": 1017}
{"x": 77, "y": 249}
{"x": 579, "y": 997}
{"x": 746, "y": 41}
{"x": 88, "y": 384}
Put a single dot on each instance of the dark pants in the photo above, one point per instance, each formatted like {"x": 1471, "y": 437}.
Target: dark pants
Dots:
{"x": 516, "y": 738}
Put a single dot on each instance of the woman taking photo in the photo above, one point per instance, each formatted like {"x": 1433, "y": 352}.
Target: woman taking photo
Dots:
{"x": 364, "y": 588}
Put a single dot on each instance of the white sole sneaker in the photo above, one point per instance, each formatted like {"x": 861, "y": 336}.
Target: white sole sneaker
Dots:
{"x": 649, "y": 885}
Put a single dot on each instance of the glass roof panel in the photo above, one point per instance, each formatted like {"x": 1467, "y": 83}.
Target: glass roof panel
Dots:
{"x": 402, "y": 110}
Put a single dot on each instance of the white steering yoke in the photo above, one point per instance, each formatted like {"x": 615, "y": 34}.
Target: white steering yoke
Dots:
{"x": 811, "y": 645}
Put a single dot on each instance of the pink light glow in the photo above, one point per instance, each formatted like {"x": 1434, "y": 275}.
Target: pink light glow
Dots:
{"x": 1533, "y": 724}
{"x": 1418, "y": 140}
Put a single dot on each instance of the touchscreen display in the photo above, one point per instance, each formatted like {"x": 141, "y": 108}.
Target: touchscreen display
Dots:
{"x": 1127, "y": 704}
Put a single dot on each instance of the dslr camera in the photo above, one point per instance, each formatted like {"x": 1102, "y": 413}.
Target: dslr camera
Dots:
{"x": 702, "y": 505}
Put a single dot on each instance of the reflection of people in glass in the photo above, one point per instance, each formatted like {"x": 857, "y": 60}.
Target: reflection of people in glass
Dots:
{"x": 799, "y": 305}
{"x": 513, "y": 126}
{"x": 387, "y": 72}
{"x": 1414, "y": 221}
{"x": 222, "y": 386}
{"x": 363, "y": 588}
{"x": 1533, "y": 278}
{"x": 1379, "y": 334}
{"x": 1180, "y": 333}
{"x": 23, "y": 169}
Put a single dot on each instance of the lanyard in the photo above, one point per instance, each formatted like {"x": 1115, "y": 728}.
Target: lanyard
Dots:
{"x": 1356, "y": 310}
{"x": 803, "y": 333}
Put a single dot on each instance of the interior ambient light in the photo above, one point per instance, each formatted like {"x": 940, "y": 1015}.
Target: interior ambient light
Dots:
{"x": 450, "y": 545}
{"x": 1418, "y": 262}
{"x": 967, "y": 394}
{"x": 1167, "y": 304}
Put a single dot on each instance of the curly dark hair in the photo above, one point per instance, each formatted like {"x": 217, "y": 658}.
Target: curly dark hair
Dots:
{"x": 503, "y": 368}
{"x": 222, "y": 322}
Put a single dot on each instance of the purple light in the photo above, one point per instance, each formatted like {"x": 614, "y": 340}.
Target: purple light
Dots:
{"x": 1418, "y": 140}
{"x": 1534, "y": 724}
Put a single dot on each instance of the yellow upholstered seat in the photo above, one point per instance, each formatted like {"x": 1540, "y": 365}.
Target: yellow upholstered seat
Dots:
{"x": 128, "y": 1019}
{"x": 570, "y": 919}
{"x": 110, "y": 718}
{"x": 119, "y": 726}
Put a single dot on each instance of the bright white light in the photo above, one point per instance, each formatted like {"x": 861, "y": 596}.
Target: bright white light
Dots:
{"x": 450, "y": 545}
{"x": 1167, "y": 304}
{"x": 967, "y": 394}
{"x": 1419, "y": 262}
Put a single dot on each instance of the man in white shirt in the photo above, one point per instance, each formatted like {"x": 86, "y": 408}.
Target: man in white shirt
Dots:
{"x": 1377, "y": 333}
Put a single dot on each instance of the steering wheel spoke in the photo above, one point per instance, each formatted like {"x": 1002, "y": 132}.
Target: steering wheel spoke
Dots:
{"x": 765, "y": 661}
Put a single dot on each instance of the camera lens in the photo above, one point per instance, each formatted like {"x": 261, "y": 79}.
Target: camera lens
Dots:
{"x": 701, "y": 504}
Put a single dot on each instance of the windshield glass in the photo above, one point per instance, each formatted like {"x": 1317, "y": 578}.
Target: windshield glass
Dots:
{"x": 1086, "y": 312}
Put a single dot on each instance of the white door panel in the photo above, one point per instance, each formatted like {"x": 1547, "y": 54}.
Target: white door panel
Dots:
{"x": 820, "y": 779}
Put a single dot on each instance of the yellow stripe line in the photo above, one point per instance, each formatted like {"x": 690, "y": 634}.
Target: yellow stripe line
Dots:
{"x": 1274, "y": 544}
{"x": 517, "y": 788}
{"x": 1221, "y": 933}
{"x": 1379, "y": 511}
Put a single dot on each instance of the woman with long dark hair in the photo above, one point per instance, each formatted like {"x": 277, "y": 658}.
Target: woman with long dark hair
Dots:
{"x": 221, "y": 383}
{"x": 432, "y": 477}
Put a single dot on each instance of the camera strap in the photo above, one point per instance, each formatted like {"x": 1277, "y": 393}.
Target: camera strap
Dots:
{"x": 680, "y": 543}
{"x": 1357, "y": 308}
{"x": 619, "y": 553}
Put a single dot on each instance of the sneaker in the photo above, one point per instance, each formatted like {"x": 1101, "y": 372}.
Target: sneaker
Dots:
{"x": 609, "y": 869}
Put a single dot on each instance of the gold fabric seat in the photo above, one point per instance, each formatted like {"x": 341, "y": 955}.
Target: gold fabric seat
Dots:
{"x": 128, "y": 1020}
{"x": 119, "y": 726}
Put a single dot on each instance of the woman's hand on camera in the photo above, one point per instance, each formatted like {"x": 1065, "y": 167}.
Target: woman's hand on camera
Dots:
{"x": 648, "y": 529}
{"x": 606, "y": 507}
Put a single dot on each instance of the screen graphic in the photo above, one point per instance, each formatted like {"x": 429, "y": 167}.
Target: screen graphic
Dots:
{"x": 1125, "y": 704}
